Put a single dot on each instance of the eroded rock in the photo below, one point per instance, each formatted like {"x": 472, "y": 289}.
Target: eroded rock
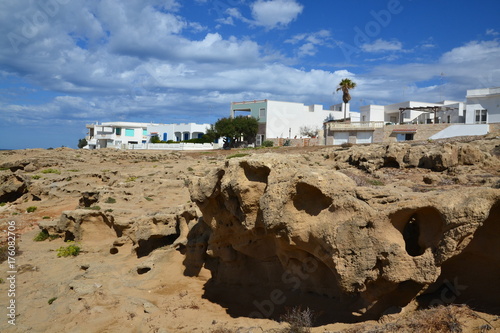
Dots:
{"x": 271, "y": 222}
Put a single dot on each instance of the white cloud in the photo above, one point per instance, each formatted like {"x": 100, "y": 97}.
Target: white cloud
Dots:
{"x": 381, "y": 45}
{"x": 310, "y": 41}
{"x": 275, "y": 13}
{"x": 492, "y": 32}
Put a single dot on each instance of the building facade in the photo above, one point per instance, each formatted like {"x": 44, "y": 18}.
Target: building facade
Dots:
{"x": 125, "y": 134}
{"x": 483, "y": 106}
{"x": 285, "y": 119}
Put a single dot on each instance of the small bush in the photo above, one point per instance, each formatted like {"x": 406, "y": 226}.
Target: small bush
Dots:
{"x": 2, "y": 204}
{"x": 190, "y": 169}
{"x": 110, "y": 200}
{"x": 70, "y": 250}
{"x": 46, "y": 217}
{"x": 31, "y": 209}
{"x": 93, "y": 207}
{"x": 36, "y": 177}
{"x": 236, "y": 155}
{"x": 109, "y": 210}
{"x": 50, "y": 301}
{"x": 300, "y": 321}
{"x": 42, "y": 235}
{"x": 267, "y": 143}
{"x": 51, "y": 171}
{"x": 131, "y": 179}
{"x": 148, "y": 198}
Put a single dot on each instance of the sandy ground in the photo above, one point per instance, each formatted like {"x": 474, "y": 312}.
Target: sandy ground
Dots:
{"x": 97, "y": 291}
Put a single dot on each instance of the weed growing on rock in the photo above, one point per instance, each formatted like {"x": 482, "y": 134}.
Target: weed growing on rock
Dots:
{"x": 70, "y": 250}
{"x": 42, "y": 235}
{"x": 237, "y": 155}
{"x": 31, "y": 209}
{"x": 50, "y": 301}
{"x": 36, "y": 177}
{"x": 110, "y": 200}
{"x": 57, "y": 172}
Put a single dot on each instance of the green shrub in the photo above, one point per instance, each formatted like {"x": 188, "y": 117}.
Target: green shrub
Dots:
{"x": 190, "y": 169}
{"x": 2, "y": 204}
{"x": 110, "y": 200}
{"x": 52, "y": 300}
{"x": 148, "y": 198}
{"x": 70, "y": 250}
{"x": 267, "y": 143}
{"x": 51, "y": 171}
{"x": 131, "y": 179}
{"x": 95, "y": 207}
{"x": 236, "y": 155}
{"x": 31, "y": 209}
{"x": 36, "y": 177}
{"x": 46, "y": 217}
{"x": 42, "y": 235}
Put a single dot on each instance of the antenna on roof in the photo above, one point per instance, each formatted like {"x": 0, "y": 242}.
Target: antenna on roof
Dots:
{"x": 441, "y": 87}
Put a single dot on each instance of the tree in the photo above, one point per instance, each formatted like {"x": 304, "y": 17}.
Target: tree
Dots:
{"x": 82, "y": 143}
{"x": 236, "y": 129}
{"x": 311, "y": 132}
{"x": 345, "y": 85}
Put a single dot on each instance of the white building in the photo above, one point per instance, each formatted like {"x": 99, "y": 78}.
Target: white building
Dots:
{"x": 415, "y": 112}
{"x": 284, "y": 119}
{"x": 124, "y": 134}
{"x": 483, "y": 106}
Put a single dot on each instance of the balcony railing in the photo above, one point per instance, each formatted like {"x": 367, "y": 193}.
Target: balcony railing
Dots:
{"x": 356, "y": 125}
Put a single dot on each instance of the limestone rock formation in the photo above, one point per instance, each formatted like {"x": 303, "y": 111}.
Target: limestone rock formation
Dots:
{"x": 272, "y": 223}
{"x": 12, "y": 187}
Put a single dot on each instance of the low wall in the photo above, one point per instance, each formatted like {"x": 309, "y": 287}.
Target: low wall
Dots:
{"x": 175, "y": 146}
{"x": 304, "y": 142}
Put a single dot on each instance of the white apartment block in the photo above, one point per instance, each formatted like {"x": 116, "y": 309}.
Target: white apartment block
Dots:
{"x": 284, "y": 119}
{"x": 125, "y": 134}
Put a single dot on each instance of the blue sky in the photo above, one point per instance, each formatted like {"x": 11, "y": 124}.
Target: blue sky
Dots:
{"x": 67, "y": 63}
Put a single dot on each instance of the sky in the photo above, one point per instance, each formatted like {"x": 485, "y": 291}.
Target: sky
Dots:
{"x": 65, "y": 64}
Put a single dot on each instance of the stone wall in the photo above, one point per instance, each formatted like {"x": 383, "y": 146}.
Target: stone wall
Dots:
{"x": 304, "y": 142}
{"x": 495, "y": 128}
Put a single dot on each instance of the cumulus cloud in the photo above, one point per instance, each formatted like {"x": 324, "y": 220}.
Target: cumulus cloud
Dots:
{"x": 275, "y": 13}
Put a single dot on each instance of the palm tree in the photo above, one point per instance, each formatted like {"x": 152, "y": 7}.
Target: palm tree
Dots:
{"x": 345, "y": 85}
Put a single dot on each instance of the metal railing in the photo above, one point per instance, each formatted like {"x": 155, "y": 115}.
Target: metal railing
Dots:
{"x": 356, "y": 125}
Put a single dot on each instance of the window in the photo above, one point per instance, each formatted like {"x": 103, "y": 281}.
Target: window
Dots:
{"x": 165, "y": 136}
{"x": 129, "y": 132}
{"x": 481, "y": 116}
{"x": 144, "y": 132}
{"x": 118, "y": 131}
{"x": 262, "y": 113}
